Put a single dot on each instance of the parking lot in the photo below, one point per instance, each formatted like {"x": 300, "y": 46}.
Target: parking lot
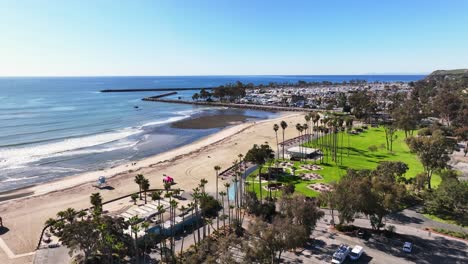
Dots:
{"x": 380, "y": 249}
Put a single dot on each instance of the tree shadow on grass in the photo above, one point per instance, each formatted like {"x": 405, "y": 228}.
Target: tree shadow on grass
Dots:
{"x": 360, "y": 152}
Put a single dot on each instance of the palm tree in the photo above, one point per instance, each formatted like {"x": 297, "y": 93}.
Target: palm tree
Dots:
{"x": 222, "y": 202}
{"x": 227, "y": 185}
{"x": 135, "y": 229}
{"x": 161, "y": 212}
{"x": 69, "y": 215}
{"x": 96, "y": 201}
{"x": 307, "y": 118}
{"x": 145, "y": 186}
{"x": 203, "y": 182}
{"x": 283, "y": 125}
{"x": 305, "y": 127}
{"x": 275, "y": 128}
{"x": 134, "y": 198}
{"x": 182, "y": 209}
{"x": 81, "y": 214}
{"x": 349, "y": 127}
{"x": 139, "y": 180}
{"x": 241, "y": 179}
{"x": 217, "y": 168}
{"x": 167, "y": 186}
{"x": 144, "y": 226}
{"x": 156, "y": 196}
{"x": 196, "y": 197}
{"x": 299, "y": 130}
{"x": 173, "y": 207}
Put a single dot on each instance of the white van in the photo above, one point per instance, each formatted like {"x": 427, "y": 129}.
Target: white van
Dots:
{"x": 356, "y": 252}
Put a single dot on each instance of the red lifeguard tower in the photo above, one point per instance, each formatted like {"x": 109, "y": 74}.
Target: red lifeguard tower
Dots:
{"x": 168, "y": 179}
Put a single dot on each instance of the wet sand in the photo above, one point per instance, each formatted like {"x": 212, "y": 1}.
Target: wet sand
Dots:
{"x": 211, "y": 121}
{"x": 25, "y": 216}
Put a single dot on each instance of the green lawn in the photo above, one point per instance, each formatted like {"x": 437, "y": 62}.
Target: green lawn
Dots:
{"x": 359, "y": 158}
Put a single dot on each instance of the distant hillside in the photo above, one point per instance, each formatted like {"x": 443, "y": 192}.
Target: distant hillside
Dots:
{"x": 459, "y": 74}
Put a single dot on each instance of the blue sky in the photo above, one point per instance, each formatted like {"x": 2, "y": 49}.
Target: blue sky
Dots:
{"x": 89, "y": 38}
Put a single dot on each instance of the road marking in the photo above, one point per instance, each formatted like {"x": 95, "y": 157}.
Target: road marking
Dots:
{"x": 10, "y": 253}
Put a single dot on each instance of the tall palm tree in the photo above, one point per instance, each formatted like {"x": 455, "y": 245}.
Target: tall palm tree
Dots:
{"x": 196, "y": 197}
{"x": 283, "y": 125}
{"x": 156, "y": 196}
{"x": 139, "y": 180}
{"x": 307, "y": 118}
{"x": 173, "y": 208}
{"x": 182, "y": 209}
{"x": 217, "y": 168}
{"x": 299, "y": 131}
{"x": 349, "y": 127}
{"x": 227, "y": 185}
{"x": 275, "y": 128}
{"x": 203, "y": 183}
{"x": 241, "y": 179}
{"x": 161, "y": 212}
{"x": 145, "y": 185}
{"x": 305, "y": 127}
{"x": 222, "y": 193}
{"x": 135, "y": 229}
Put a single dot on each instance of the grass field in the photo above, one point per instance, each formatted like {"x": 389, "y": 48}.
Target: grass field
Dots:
{"x": 360, "y": 157}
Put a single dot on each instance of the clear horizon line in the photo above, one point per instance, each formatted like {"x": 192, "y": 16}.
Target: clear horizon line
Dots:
{"x": 207, "y": 75}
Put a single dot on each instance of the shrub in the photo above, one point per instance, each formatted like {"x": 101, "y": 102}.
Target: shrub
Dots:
{"x": 425, "y": 132}
{"x": 373, "y": 148}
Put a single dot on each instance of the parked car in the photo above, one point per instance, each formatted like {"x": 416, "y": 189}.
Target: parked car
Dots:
{"x": 356, "y": 252}
{"x": 408, "y": 247}
{"x": 340, "y": 254}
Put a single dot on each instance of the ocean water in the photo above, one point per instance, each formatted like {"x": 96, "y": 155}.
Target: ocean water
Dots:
{"x": 56, "y": 127}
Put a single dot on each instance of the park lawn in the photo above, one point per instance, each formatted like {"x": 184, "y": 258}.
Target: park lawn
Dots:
{"x": 360, "y": 157}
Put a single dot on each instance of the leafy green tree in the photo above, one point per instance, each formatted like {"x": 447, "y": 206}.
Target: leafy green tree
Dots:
{"x": 432, "y": 152}
{"x": 362, "y": 104}
{"x": 450, "y": 199}
{"x": 259, "y": 155}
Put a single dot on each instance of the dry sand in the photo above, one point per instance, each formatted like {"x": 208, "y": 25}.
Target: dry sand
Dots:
{"x": 25, "y": 217}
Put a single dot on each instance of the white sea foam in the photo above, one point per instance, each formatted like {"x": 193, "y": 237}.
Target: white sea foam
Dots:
{"x": 18, "y": 179}
{"x": 18, "y": 157}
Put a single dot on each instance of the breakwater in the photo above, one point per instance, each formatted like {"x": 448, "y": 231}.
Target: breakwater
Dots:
{"x": 152, "y": 90}
{"x": 162, "y": 95}
{"x": 244, "y": 106}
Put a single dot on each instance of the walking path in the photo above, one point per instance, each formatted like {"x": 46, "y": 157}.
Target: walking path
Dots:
{"x": 10, "y": 253}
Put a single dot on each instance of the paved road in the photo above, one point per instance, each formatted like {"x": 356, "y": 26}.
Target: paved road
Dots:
{"x": 412, "y": 217}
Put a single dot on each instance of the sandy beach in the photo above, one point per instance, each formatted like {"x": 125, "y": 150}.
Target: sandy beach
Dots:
{"x": 24, "y": 216}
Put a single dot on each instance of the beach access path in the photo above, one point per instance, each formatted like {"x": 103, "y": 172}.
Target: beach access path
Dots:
{"x": 25, "y": 217}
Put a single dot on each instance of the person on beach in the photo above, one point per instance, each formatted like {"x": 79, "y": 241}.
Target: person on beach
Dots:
{"x": 1, "y": 222}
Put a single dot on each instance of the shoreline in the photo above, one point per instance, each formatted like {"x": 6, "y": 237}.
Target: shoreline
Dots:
{"x": 25, "y": 216}
{"x": 71, "y": 181}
